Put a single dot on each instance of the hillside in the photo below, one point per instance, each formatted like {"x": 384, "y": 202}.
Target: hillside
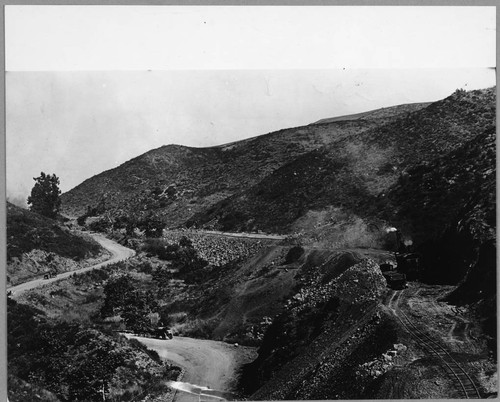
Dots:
{"x": 355, "y": 173}
{"x": 432, "y": 174}
{"x": 174, "y": 182}
{"x": 271, "y": 182}
{"x": 36, "y": 244}
{"x": 56, "y": 360}
{"x": 316, "y": 303}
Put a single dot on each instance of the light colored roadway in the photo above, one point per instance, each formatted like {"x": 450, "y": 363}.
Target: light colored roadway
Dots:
{"x": 207, "y": 363}
{"x": 241, "y": 234}
{"x": 117, "y": 251}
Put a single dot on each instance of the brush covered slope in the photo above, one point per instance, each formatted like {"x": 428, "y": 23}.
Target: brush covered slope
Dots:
{"x": 36, "y": 244}
{"x": 173, "y": 182}
{"x": 272, "y": 182}
{"x": 354, "y": 173}
{"x": 56, "y": 360}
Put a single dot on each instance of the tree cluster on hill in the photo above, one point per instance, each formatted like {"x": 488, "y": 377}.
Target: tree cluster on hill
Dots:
{"x": 122, "y": 298}
{"x": 184, "y": 259}
{"x": 105, "y": 222}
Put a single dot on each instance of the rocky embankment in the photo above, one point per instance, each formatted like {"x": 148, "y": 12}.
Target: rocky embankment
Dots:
{"x": 329, "y": 328}
{"x": 219, "y": 250}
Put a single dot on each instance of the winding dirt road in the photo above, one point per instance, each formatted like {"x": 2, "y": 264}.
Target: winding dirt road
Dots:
{"x": 211, "y": 367}
{"x": 117, "y": 251}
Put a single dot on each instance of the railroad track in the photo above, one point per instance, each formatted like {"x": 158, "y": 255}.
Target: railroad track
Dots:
{"x": 454, "y": 369}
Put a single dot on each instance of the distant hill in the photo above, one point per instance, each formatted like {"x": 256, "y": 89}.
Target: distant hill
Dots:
{"x": 381, "y": 113}
{"x": 175, "y": 182}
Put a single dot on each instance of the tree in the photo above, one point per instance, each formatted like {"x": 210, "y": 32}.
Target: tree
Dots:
{"x": 151, "y": 227}
{"x": 44, "y": 198}
{"x": 116, "y": 292}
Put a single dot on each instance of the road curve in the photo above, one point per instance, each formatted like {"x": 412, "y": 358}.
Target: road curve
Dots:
{"x": 118, "y": 253}
{"x": 208, "y": 364}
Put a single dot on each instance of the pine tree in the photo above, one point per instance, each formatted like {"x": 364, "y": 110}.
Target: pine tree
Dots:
{"x": 44, "y": 198}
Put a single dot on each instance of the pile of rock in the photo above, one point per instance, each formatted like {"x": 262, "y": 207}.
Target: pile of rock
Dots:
{"x": 383, "y": 363}
{"x": 361, "y": 283}
{"x": 218, "y": 250}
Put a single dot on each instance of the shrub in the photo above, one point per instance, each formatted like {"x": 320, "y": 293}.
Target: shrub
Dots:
{"x": 101, "y": 225}
{"x": 157, "y": 248}
{"x": 81, "y": 220}
{"x": 151, "y": 227}
{"x": 145, "y": 267}
{"x": 294, "y": 254}
{"x": 151, "y": 353}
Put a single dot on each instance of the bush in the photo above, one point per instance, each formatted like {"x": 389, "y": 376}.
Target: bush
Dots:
{"x": 157, "y": 247}
{"x": 102, "y": 225}
{"x": 145, "y": 267}
{"x": 81, "y": 220}
{"x": 153, "y": 354}
{"x": 294, "y": 254}
{"x": 151, "y": 227}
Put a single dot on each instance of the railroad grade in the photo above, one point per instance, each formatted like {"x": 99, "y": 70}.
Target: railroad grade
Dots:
{"x": 464, "y": 382}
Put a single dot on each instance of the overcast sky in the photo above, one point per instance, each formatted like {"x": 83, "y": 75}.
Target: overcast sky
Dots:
{"x": 90, "y": 87}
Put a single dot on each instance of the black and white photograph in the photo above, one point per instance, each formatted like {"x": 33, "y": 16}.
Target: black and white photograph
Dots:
{"x": 250, "y": 202}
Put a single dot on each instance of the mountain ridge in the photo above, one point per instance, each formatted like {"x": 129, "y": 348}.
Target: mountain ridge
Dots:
{"x": 252, "y": 159}
{"x": 378, "y": 113}
{"x": 286, "y": 143}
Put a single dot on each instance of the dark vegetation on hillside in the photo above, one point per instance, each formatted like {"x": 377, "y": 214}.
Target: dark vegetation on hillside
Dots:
{"x": 27, "y": 231}
{"x": 76, "y": 363}
{"x": 449, "y": 206}
{"x": 178, "y": 281}
{"x": 312, "y": 181}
